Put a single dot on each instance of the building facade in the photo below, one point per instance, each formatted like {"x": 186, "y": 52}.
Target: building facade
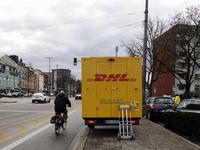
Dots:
{"x": 22, "y": 70}
{"x": 167, "y": 83}
{"x": 61, "y": 80}
{"x": 8, "y": 78}
{"x": 33, "y": 81}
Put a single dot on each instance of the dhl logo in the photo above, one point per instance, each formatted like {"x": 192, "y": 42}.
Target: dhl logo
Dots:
{"x": 111, "y": 77}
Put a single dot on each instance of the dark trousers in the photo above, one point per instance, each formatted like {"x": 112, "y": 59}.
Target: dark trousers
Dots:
{"x": 65, "y": 116}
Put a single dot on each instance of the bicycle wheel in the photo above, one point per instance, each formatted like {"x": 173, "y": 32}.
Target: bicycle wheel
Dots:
{"x": 57, "y": 129}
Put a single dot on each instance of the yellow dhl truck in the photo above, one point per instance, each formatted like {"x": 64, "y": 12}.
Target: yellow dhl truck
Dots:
{"x": 106, "y": 82}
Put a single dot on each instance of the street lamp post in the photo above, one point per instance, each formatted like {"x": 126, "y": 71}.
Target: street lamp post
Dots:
{"x": 49, "y": 77}
{"x": 116, "y": 50}
{"x": 144, "y": 53}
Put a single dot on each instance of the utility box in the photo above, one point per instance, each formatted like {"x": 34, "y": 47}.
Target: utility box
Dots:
{"x": 106, "y": 81}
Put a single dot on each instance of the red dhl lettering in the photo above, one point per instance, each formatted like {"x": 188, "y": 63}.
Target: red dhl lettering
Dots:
{"x": 111, "y": 77}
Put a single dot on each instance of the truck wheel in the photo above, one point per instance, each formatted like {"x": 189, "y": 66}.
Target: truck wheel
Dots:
{"x": 119, "y": 137}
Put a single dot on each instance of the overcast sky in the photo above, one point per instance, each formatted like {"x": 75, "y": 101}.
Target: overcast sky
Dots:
{"x": 64, "y": 29}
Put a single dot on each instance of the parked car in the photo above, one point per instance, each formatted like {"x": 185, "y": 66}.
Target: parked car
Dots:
{"x": 3, "y": 94}
{"x": 185, "y": 116}
{"x": 27, "y": 95}
{"x": 40, "y": 97}
{"x": 15, "y": 94}
{"x": 78, "y": 96}
{"x": 155, "y": 107}
{"x": 9, "y": 95}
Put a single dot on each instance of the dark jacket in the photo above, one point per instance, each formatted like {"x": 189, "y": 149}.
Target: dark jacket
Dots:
{"x": 61, "y": 103}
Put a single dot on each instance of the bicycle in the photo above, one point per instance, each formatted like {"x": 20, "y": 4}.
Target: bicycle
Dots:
{"x": 59, "y": 122}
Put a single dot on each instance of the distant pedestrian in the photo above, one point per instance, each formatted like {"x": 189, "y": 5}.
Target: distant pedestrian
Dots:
{"x": 177, "y": 100}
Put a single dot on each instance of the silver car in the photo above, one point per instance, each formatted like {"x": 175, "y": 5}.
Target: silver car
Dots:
{"x": 40, "y": 97}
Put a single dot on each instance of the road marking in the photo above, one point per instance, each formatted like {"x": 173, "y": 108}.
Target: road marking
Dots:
{"x": 28, "y": 136}
{"x": 21, "y": 132}
{"x": 36, "y": 121}
{"x": 46, "y": 117}
{"x": 23, "y": 121}
{"x": 21, "y": 126}
{"x": 10, "y": 115}
{"x": 1, "y": 134}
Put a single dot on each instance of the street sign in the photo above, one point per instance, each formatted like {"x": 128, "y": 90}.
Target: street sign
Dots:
{"x": 173, "y": 88}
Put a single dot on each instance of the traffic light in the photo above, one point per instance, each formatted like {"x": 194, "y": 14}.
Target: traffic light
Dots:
{"x": 75, "y": 61}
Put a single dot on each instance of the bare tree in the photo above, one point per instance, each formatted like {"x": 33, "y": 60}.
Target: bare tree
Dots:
{"x": 135, "y": 49}
{"x": 184, "y": 37}
{"x": 72, "y": 84}
{"x": 78, "y": 86}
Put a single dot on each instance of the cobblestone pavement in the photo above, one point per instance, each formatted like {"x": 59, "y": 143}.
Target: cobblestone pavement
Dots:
{"x": 148, "y": 136}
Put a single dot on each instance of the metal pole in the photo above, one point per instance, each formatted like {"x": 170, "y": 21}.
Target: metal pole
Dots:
{"x": 144, "y": 53}
{"x": 116, "y": 50}
{"x": 49, "y": 74}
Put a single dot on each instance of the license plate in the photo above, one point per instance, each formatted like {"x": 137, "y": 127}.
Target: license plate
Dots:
{"x": 111, "y": 121}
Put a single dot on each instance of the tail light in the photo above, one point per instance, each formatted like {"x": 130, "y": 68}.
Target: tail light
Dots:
{"x": 152, "y": 106}
{"x": 133, "y": 121}
{"x": 91, "y": 121}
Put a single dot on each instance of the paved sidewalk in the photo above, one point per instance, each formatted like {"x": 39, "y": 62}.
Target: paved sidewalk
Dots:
{"x": 148, "y": 136}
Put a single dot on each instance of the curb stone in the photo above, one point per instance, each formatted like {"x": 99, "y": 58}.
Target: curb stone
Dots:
{"x": 82, "y": 140}
{"x": 7, "y": 101}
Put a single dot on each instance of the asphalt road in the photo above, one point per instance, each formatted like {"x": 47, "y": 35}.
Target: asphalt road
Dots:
{"x": 24, "y": 125}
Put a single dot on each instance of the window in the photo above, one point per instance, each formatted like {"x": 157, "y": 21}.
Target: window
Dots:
{"x": 181, "y": 75}
{"x": 180, "y": 87}
{"x": 196, "y": 87}
{"x": 198, "y": 55}
{"x": 184, "y": 105}
{"x": 163, "y": 101}
{"x": 197, "y": 76}
{"x": 182, "y": 65}
{"x": 182, "y": 54}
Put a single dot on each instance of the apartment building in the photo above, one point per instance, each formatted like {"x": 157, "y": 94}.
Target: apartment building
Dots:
{"x": 180, "y": 46}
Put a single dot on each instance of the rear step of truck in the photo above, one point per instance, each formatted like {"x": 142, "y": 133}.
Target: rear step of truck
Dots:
{"x": 125, "y": 124}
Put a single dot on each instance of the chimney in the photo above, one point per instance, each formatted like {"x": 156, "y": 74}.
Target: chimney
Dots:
{"x": 20, "y": 60}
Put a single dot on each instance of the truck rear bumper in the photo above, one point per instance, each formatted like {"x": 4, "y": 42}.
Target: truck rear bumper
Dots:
{"x": 108, "y": 121}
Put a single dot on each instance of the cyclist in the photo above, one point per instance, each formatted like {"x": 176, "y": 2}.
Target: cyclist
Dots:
{"x": 61, "y": 103}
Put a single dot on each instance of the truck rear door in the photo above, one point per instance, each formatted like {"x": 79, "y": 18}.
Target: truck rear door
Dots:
{"x": 111, "y": 88}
